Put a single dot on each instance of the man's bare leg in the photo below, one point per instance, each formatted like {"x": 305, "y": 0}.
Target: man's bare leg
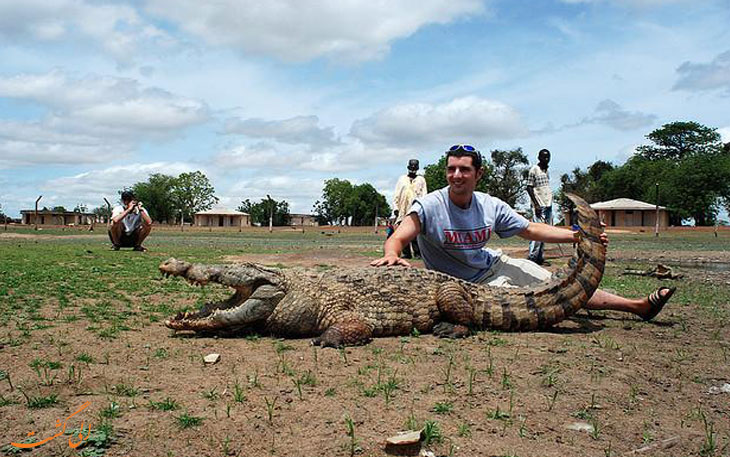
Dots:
{"x": 115, "y": 233}
{"x": 602, "y": 300}
{"x": 142, "y": 233}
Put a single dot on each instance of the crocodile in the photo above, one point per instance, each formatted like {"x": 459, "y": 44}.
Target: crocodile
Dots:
{"x": 351, "y": 306}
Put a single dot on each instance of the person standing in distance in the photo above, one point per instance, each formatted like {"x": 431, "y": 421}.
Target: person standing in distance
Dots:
{"x": 409, "y": 187}
{"x": 541, "y": 196}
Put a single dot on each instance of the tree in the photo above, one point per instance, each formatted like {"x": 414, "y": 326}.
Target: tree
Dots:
{"x": 690, "y": 165}
{"x": 680, "y": 140}
{"x": 59, "y": 209}
{"x": 3, "y": 217}
{"x": 102, "y": 212}
{"x": 363, "y": 204}
{"x": 341, "y": 201}
{"x": 192, "y": 192}
{"x": 508, "y": 178}
{"x": 259, "y": 212}
{"x": 583, "y": 183}
{"x": 156, "y": 194}
{"x": 332, "y": 208}
{"x": 81, "y": 208}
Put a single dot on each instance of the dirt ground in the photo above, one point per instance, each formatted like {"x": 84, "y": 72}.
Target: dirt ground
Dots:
{"x": 600, "y": 385}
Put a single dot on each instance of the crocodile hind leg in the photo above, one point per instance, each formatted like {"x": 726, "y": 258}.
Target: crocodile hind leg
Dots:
{"x": 351, "y": 331}
{"x": 457, "y": 310}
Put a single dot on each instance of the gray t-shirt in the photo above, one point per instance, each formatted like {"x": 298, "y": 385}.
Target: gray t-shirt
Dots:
{"x": 452, "y": 239}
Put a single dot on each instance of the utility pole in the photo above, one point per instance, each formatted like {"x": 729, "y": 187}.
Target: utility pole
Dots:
{"x": 375, "y": 225}
{"x": 271, "y": 213}
{"x": 36, "y": 211}
{"x": 656, "y": 225}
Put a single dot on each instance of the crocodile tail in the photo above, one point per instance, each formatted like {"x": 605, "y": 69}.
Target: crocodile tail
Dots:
{"x": 566, "y": 292}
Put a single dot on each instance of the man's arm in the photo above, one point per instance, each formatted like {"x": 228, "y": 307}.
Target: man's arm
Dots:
{"x": 115, "y": 219}
{"x": 536, "y": 231}
{"x": 145, "y": 216}
{"x": 406, "y": 232}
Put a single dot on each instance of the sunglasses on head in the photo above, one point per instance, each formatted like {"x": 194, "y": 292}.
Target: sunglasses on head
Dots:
{"x": 465, "y": 147}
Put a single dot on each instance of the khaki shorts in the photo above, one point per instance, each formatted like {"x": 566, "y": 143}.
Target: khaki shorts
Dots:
{"x": 509, "y": 272}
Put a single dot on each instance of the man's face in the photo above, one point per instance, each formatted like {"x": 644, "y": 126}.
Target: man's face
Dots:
{"x": 544, "y": 157}
{"x": 461, "y": 175}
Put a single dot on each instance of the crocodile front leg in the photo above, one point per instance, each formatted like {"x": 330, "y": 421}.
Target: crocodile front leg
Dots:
{"x": 457, "y": 311}
{"x": 352, "y": 331}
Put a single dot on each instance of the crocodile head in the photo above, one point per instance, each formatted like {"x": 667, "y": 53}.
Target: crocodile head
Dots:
{"x": 257, "y": 290}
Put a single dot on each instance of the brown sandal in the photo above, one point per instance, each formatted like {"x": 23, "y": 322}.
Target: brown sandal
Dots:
{"x": 657, "y": 300}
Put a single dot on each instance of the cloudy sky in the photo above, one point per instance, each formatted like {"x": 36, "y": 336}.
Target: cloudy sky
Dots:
{"x": 276, "y": 96}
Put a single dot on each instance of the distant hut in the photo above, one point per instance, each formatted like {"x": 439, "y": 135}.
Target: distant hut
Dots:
{"x": 625, "y": 212}
{"x": 50, "y": 217}
{"x": 221, "y": 217}
{"x": 303, "y": 220}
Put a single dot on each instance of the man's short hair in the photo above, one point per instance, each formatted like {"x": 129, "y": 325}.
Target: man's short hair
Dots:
{"x": 127, "y": 196}
{"x": 541, "y": 151}
{"x": 465, "y": 150}
{"x": 413, "y": 164}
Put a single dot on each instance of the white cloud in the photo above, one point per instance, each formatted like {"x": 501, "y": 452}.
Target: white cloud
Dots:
{"x": 35, "y": 143}
{"x": 255, "y": 156}
{"x": 629, "y": 3}
{"x": 89, "y": 120}
{"x": 299, "y": 191}
{"x": 705, "y": 76}
{"x": 118, "y": 29}
{"x": 724, "y": 134}
{"x": 354, "y": 30}
{"x": 467, "y": 119}
{"x": 295, "y": 130}
{"x": 94, "y": 185}
{"x": 614, "y": 115}
{"x": 106, "y": 105}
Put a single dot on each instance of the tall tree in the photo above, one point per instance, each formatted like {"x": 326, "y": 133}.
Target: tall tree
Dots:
{"x": 508, "y": 178}
{"x": 680, "y": 140}
{"x": 192, "y": 192}
{"x": 261, "y": 211}
{"x": 689, "y": 164}
{"x": 157, "y": 196}
{"x": 363, "y": 204}
{"x": 332, "y": 207}
{"x": 583, "y": 183}
{"x": 342, "y": 202}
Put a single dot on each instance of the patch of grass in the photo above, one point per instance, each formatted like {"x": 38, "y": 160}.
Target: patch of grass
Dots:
{"x": 125, "y": 390}
{"x": 432, "y": 433}
{"x": 39, "y": 402}
{"x": 443, "y": 407}
{"x": 168, "y": 404}
{"x": 187, "y": 421}
{"x": 85, "y": 358}
{"x": 111, "y": 412}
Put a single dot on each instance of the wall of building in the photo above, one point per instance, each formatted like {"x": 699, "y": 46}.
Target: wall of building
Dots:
{"x": 633, "y": 218}
{"x": 215, "y": 220}
{"x": 57, "y": 218}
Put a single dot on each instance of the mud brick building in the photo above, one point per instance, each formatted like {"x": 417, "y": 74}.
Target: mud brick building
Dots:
{"x": 625, "y": 212}
{"x": 220, "y": 217}
{"x": 49, "y": 217}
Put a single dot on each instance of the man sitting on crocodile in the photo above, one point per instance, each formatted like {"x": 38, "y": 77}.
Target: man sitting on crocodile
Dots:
{"x": 453, "y": 224}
